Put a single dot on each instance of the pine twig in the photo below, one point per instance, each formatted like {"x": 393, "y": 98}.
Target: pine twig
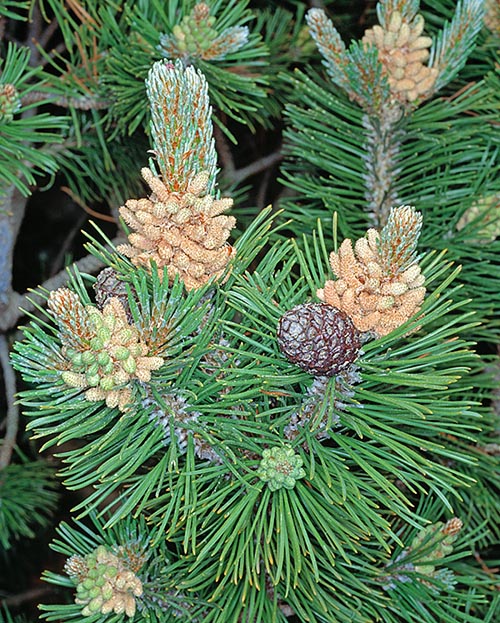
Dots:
{"x": 47, "y": 34}
{"x": 86, "y": 208}
{"x": 12, "y": 426}
{"x": 491, "y": 571}
{"x": 32, "y": 594}
{"x": 3, "y": 23}
{"x": 11, "y": 217}
{"x": 239, "y": 175}
{"x": 59, "y": 49}
{"x": 382, "y": 145}
{"x": 34, "y": 31}
{"x": 64, "y": 248}
{"x": 263, "y": 188}
{"x": 80, "y": 103}
{"x": 21, "y": 303}
{"x": 224, "y": 152}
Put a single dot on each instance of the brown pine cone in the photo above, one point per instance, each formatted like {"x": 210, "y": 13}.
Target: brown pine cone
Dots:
{"x": 318, "y": 338}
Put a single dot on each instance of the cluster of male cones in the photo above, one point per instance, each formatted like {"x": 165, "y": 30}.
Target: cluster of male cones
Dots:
{"x": 403, "y": 50}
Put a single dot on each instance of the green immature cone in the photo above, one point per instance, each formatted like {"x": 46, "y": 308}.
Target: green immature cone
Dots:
{"x": 107, "y": 383}
{"x": 121, "y": 353}
{"x": 484, "y": 214}
{"x": 103, "y": 358}
{"x": 280, "y": 467}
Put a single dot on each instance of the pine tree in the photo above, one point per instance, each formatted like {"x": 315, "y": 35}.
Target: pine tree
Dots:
{"x": 267, "y": 419}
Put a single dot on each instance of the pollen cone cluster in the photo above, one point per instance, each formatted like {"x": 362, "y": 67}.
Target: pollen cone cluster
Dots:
{"x": 104, "y": 583}
{"x": 183, "y": 231}
{"x": 402, "y": 51}
{"x": 104, "y": 352}
{"x": 376, "y": 294}
{"x": 197, "y": 37}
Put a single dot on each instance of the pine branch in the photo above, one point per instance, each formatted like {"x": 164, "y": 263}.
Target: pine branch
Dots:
{"x": 20, "y": 305}
{"x": 264, "y": 163}
{"x": 10, "y": 223}
{"x": 79, "y": 103}
{"x": 383, "y": 137}
{"x": 247, "y": 452}
{"x": 9, "y": 381}
{"x": 14, "y": 601}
